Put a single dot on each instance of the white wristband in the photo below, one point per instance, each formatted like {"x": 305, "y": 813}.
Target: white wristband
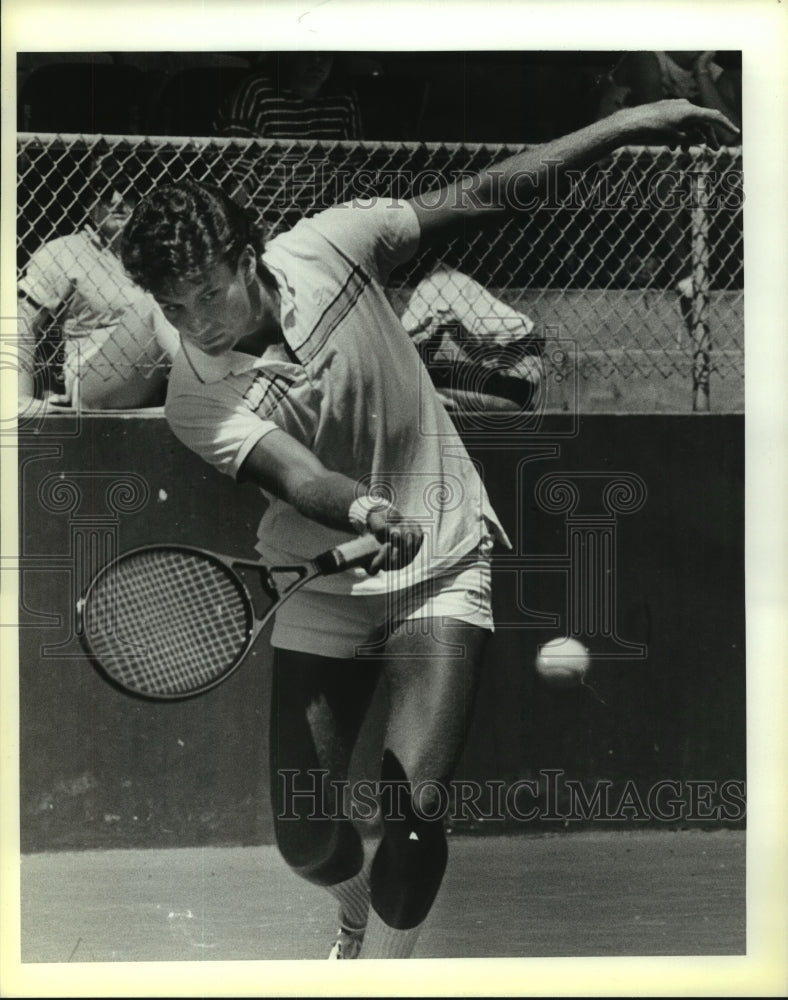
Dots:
{"x": 359, "y": 511}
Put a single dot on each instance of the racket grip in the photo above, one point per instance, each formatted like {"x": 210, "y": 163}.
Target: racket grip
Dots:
{"x": 354, "y": 553}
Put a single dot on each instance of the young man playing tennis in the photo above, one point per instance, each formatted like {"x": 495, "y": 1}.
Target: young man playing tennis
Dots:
{"x": 295, "y": 374}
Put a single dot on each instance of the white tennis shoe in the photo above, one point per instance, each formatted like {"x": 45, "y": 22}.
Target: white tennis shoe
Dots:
{"x": 348, "y": 942}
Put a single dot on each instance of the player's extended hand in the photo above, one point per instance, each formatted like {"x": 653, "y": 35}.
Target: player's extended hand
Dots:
{"x": 677, "y": 122}
{"x": 400, "y": 540}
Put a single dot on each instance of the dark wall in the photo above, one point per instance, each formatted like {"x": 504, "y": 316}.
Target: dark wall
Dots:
{"x": 101, "y": 769}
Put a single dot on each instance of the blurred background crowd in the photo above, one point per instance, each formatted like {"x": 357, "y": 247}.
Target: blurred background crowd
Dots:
{"x": 491, "y": 97}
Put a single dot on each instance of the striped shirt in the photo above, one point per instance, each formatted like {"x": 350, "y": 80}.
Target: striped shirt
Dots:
{"x": 260, "y": 110}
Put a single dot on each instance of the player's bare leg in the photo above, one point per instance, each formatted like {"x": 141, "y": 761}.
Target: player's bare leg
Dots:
{"x": 318, "y": 705}
{"x": 432, "y": 691}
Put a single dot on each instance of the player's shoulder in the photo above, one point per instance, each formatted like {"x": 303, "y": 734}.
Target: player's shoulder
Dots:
{"x": 357, "y": 217}
{"x": 309, "y": 237}
{"x": 373, "y": 233}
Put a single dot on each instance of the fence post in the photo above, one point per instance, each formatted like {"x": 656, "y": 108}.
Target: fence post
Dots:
{"x": 699, "y": 331}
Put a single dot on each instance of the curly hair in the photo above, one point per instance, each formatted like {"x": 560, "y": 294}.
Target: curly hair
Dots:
{"x": 181, "y": 230}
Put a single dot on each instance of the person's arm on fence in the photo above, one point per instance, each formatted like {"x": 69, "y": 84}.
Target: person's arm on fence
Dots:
{"x": 524, "y": 181}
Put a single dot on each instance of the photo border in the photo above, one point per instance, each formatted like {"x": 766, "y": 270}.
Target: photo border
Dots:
{"x": 759, "y": 29}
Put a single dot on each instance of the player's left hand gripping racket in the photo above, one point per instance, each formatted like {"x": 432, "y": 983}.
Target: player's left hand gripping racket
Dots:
{"x": 170, "y": 621}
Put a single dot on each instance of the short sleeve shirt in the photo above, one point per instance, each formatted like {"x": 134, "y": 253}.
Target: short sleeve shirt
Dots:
{"x": 79, "y": 271}
{"x": 350, "y": 386}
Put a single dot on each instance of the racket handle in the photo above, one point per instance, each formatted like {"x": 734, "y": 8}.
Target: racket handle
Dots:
{"x": 354, "y": 553}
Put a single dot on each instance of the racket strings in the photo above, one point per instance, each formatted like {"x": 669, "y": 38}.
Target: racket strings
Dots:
{"x": 166, "y": 622}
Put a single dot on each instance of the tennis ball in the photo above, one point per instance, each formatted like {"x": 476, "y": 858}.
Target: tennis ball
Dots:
{"x": 562, "y": 662}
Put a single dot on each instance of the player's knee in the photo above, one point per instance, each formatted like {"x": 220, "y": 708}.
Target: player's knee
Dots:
{"x": 415, "y": 849}
{"x": 411, "y": 860}
{"x": 324, "y": 851}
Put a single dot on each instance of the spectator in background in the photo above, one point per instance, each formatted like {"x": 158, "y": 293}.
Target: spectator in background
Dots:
{"x": 645, "y": 77}
{"x": 291, "y": 98}
{"x": 292, "y": 95}
{"x": 116, "y": 344}
{"x": 482, "y": 355}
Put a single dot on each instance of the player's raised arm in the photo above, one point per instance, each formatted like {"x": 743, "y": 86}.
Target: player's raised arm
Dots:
{"x": 521, "y": 181}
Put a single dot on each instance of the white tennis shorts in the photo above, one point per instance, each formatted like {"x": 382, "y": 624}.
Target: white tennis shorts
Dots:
{"x": 343, "y": 625}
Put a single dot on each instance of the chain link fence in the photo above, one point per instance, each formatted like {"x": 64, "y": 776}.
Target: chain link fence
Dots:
{"x": 631, "y": 273}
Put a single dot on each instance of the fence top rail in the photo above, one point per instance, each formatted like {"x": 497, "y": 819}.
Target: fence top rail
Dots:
{"x": 636, "y": 264}
{"x": 221, "y": 142}
{"x": 236, "y": 141}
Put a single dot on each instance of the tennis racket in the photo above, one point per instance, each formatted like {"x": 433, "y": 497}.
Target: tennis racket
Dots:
{"x": 171, "y": 621}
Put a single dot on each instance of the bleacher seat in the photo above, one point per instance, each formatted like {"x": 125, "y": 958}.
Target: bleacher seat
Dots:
{"x": 189, "y": 100}
{"x": 82, "y": 97}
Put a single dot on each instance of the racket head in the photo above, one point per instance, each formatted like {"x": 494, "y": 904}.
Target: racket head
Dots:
{"x": 166, "y": 622}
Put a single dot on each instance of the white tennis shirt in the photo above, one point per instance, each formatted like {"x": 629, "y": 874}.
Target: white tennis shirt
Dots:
{"x": 359, "y": 398}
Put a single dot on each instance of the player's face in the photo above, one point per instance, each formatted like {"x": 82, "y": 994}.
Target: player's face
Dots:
{"x": 213, "y": 313}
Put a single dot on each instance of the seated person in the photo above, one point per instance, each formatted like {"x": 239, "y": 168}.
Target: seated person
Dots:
{"x": 644, "y": 77}
{"x": 117, "y": 346}
{"x": 482, "y": 355}
{"x": 291, "y": 99}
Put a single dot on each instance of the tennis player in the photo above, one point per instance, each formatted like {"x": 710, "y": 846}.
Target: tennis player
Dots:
{"x": 296, "y": 375}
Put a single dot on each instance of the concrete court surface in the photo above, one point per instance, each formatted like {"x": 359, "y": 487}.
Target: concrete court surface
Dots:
{"x": 613, "y": 893}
